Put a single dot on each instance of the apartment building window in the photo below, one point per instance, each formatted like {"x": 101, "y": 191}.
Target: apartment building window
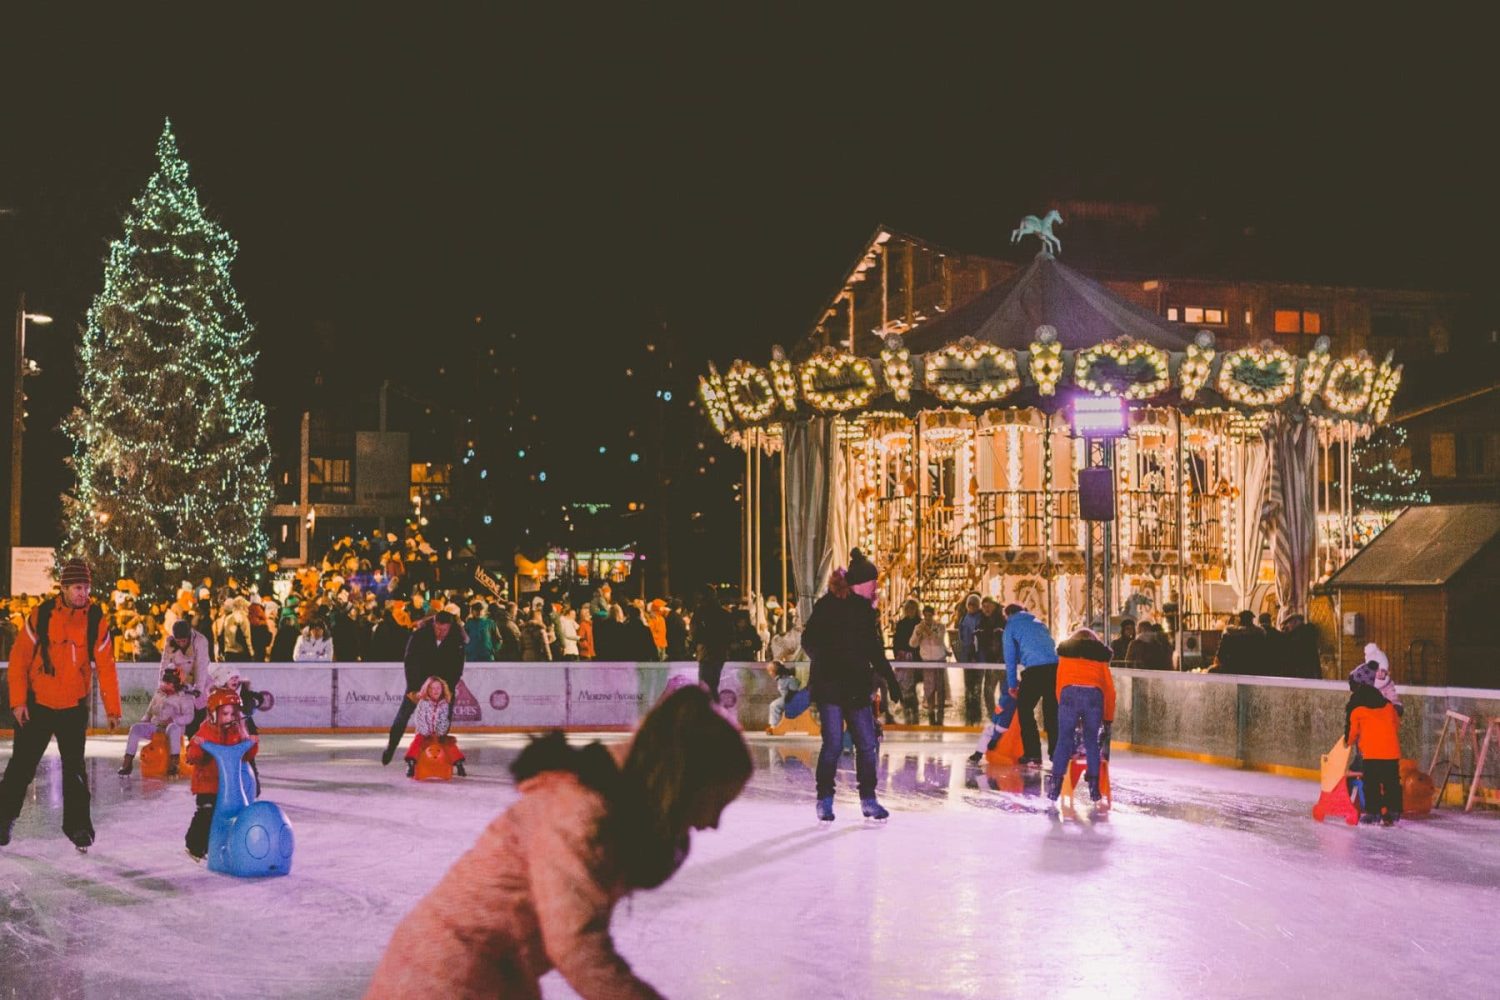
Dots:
{"x": 1444, "y": 460}
{"x": 1197, "y": 315}
{"x": 1298, "y": 321}
{"x": 330, "y": 479}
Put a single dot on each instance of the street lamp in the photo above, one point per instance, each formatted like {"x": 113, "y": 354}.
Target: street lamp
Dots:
{"x": 18, "y": 422}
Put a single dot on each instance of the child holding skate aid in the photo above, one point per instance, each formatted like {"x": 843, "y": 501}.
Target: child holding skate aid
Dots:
{"x": 434, "y": 705}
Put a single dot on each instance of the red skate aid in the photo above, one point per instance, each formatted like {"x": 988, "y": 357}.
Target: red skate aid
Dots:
{"x": 1334, "y": 799}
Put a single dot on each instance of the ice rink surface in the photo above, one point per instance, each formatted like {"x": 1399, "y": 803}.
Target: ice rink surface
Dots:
{"x": 1201, "y": 882}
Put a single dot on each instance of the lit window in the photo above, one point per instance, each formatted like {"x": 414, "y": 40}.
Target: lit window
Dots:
{"x": 1299, "y": 321}
{"x": 1197, "y": 315}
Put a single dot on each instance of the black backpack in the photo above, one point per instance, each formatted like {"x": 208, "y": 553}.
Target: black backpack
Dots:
{"x": 44, "y": 636}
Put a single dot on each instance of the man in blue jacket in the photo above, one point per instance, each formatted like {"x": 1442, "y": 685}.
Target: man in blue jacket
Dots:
{"x": 1031, "y": 676}
{"x": 967, "y": 651}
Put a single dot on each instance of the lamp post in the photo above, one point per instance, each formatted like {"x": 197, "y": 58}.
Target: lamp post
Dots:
{"x": 18, "y": 425}
{"x": 1099, "y": 419}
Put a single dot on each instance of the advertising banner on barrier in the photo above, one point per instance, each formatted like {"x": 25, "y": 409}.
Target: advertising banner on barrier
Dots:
{"x": 297, "y": 696}
{"x": 368, "y": 694}
{"x": 619, "y": 694}
{"x": 517, "y": 695}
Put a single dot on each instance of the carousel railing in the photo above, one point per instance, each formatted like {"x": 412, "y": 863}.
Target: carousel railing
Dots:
{"x": 1017, "y": 519}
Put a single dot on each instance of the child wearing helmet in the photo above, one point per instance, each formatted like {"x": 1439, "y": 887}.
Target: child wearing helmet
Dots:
{"x": 171, "y": 709}
{"x": 225, "y": 724}
{"x": 431, "y": 722}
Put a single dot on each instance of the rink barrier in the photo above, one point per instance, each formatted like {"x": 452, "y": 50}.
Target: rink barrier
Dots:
{"x": 1267, "y": 723}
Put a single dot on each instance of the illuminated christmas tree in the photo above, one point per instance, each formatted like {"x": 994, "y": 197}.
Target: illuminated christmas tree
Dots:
{"x": 169, "y": 445}
{"x": 1383, "y": 480}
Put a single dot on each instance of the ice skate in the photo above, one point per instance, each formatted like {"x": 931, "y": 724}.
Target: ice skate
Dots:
{"x": 975, "y": 757}
{"x": 126, "y": 765}
{"x": 82, "y": 840}
{"x": 458, "y": 769}
{"x": 874, "y": 811}
{"x": 825, "y": 810}
{"x": 197, "y": 858}
{"x": 6, "y": 826}
{"x": 172, "y": 769}
{"x": 411, "y": 769}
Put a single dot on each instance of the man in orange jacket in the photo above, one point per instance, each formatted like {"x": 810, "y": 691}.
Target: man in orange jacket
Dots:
{"x": 50, "y": 677}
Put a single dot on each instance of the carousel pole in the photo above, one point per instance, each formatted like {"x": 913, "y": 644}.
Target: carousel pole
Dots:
{"x": 916, "y": 500}
{"x": 747, "y": 542}
{"x": 1048, "y": 548}
{"x": 784, "y": 596}
{"x": 1180, "y": 470}
{"x": 759, "y": 474}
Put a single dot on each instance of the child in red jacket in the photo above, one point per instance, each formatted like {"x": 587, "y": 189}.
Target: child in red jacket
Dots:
{"x": 1374, "y": 723}
{"x": 1085, "y": 691}
{"x": 226, "y": 725}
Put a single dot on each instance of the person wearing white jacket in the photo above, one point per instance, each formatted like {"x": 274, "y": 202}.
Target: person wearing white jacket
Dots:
{"x": 171, "y": 709}
{"x": 930, "y": 640}
{"x": 313, "y": 645}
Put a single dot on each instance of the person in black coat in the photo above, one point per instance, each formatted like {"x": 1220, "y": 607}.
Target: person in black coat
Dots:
{"x": 1242, "y": 648}
{"x": 842, "y": 636}
{"x": 388, "y": 640}
{"x": 710, "y": 640}
{"x": 901, "y": 649}
{"x": 633, "y": 638}
{"x": 436, "y": 649}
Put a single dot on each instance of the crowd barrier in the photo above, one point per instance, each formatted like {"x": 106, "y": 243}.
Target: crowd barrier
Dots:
{"x": 1262, "y": 722}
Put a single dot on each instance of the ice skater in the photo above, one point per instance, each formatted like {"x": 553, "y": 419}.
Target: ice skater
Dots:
{"x": 592, "y": 825}
{"x": 1086, "y": 692}
{"x": 435, "y": 649}
{"x": 51, "y": 671}
{"x": 1372, "y": 727}
{"x": 186, "y": 651}
{"x": 1031, "y": 677}
{"x": 226, "y": 725}
{"x": 843, "y": 639}
{"x": 171, "y": 711}
{"x": 430, "y": 720}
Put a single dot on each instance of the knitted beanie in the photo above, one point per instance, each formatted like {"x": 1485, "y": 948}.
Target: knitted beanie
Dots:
{"x": 75, "y": 571}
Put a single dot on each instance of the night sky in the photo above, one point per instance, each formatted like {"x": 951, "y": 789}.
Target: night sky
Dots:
{"x": 586, "y": 182}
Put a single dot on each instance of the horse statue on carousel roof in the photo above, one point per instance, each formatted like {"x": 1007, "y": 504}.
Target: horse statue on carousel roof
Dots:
{"x": 1040, "y": 227}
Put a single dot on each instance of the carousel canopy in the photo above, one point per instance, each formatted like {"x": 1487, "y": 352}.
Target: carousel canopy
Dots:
{"x": 1048, "y": 293}
{"x": 1034, "y": 341}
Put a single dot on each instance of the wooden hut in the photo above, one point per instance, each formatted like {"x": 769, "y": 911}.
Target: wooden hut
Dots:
{"x": 1427, "y": 590}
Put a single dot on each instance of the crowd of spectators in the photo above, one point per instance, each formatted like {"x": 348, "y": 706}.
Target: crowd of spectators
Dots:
{"x": 364, "y": 599}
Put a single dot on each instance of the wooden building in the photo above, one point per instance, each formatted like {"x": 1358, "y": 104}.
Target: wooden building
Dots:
{"x": 1427, "y": 590}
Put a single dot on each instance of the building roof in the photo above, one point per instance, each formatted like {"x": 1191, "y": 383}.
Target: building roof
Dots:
{"x": 1084, "y": 313}
{"x": 1424, "y": 547}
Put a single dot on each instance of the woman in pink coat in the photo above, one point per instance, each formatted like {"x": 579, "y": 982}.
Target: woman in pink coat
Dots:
{"x": 537, "y": 890}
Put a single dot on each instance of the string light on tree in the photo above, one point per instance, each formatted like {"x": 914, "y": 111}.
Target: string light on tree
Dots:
{"x": 170, "y": 442}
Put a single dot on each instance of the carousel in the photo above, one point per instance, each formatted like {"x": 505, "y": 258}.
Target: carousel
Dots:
{"x": 951, "y": 450}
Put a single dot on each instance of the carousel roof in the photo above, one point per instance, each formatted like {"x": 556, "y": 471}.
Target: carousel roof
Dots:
{"x": 1082, "y": 311}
